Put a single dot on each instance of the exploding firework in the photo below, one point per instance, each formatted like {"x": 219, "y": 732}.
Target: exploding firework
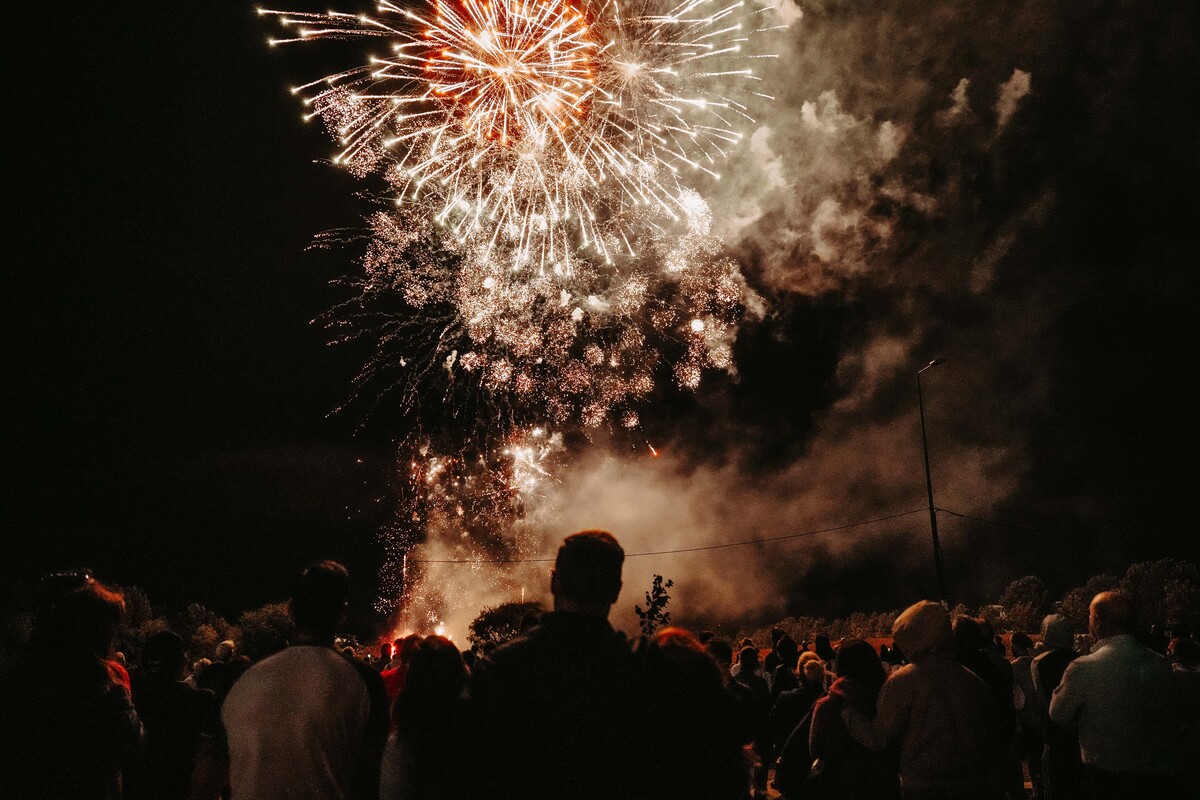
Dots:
{"x": 505, "y": 352}
{"x": 536, "y": 130}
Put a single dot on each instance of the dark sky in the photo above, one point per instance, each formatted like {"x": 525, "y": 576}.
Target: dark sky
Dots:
{"x": 166, "y": 399}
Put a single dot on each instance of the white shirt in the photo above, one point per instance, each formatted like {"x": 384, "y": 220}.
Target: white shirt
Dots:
{"x": 295, "y": 723}
{"x": 1122, "y": 699}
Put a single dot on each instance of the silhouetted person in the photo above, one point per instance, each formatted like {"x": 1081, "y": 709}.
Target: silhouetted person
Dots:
{"x": 306, "y": 721}
{"x": 824, "y": 649}
{"x": 1122, "y": 699}
{"x": 851, "y": 771}
{"x": 425, "y": 753}
{"x": 792, "y": 706}
{"x": 393, "y": 676}
{"x": 783, "y": 677}
{"x": 69, "y": 728}
{"x": 1062, "y": 770}
{"x": 975, "y": 649}
{"x": 939, "y": 713}
{"x": 1031, "y": 712}
{"x": 559, "y": 712}
{"x": 699, "y": 751}
{"x": 175, "y": 716}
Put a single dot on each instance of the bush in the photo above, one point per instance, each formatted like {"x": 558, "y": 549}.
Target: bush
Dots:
{"x": 498, "y": 624}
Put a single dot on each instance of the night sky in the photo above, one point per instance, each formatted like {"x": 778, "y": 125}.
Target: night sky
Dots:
{"x": 167, "y": 408}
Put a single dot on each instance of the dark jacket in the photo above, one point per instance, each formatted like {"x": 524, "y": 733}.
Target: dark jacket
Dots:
{"x": 560, "y": 714}
{"x": 851, "y": 771}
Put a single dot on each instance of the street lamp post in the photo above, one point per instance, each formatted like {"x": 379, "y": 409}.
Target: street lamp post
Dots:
{"x": 937, "y": 545}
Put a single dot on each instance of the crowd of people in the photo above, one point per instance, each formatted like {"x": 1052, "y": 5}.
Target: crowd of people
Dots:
{"x": 572, "y": 708}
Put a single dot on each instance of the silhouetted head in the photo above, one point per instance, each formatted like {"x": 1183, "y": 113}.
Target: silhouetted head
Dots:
{"x": 748, "y": 658}
{"x": 435, "y": 679}
{"x": 88, "y": 617}
{"x": 1186, "y": 652}
{"x": 319, "y": 601}
{"x": 823, "y": 648}
{"x": 587, "y": 573}
{"x": 1056, "y": 632}
{"x": 408, "y": 647}
{"x": 721, "y": 652}
{"x": 858, "y": 661}
{"x": 1111, "y": 614}
{"x": 1021, "y": 644}
{"x": 969, "y": 635}
{"x": 788, "y": 651}
{"x": 163, "y": 656}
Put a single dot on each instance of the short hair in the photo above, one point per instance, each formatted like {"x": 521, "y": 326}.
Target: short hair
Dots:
{"x": 1114, "y": 612}
{"x": 164, "y": 654}
{"x": 720, "y": 650}
{"x": 748, "y": 657}
{"x": 1022, "y": 641}
{"x": 588, "y": 567}
{"x": 319, "y": 597}
{"x": 813, "y": 670}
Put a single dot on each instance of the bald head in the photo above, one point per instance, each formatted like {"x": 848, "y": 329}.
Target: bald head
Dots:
{"x": 1112, "y": 614}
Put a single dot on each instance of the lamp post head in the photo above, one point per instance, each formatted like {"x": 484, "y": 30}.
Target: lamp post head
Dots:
{"x": 935, "y": 363}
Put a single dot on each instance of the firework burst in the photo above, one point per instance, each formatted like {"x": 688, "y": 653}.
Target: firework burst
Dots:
{"x": 535, "y": 130}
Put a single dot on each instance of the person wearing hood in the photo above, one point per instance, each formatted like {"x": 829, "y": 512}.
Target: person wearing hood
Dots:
{"x": 939, "y": 714}
{"x": 1062, "y": 770}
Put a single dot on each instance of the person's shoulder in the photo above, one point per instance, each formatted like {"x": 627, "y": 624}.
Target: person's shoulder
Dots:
{"x": 903, "y": 675}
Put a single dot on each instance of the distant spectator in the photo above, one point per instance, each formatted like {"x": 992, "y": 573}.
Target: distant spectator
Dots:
{"x": 198, "y": 667}
{"x": 747, "y": 673}
{"x": 975, "y": 649}
{"x": 393, "y": 676}
{"x": 939, "y": 713}
{"x": 69, "y": 727}
{"x": 175, "y": 716}
{"x": 224, "y": 670}
{"x": 783, "y": 677}
{"x": 226, "y": 650}
{"x": 1031, "y": 712}
{"x": 426, "y": 749}
{"x": 772, "y": 660}
{"x": 792, "y": 707}
{"x": 1122, "y": 700}
{"x": 824, "y": 649}
{"x": 307, "y": 722}
{"x": 385, "y": 656}
{"x": 1062, "y": 770}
